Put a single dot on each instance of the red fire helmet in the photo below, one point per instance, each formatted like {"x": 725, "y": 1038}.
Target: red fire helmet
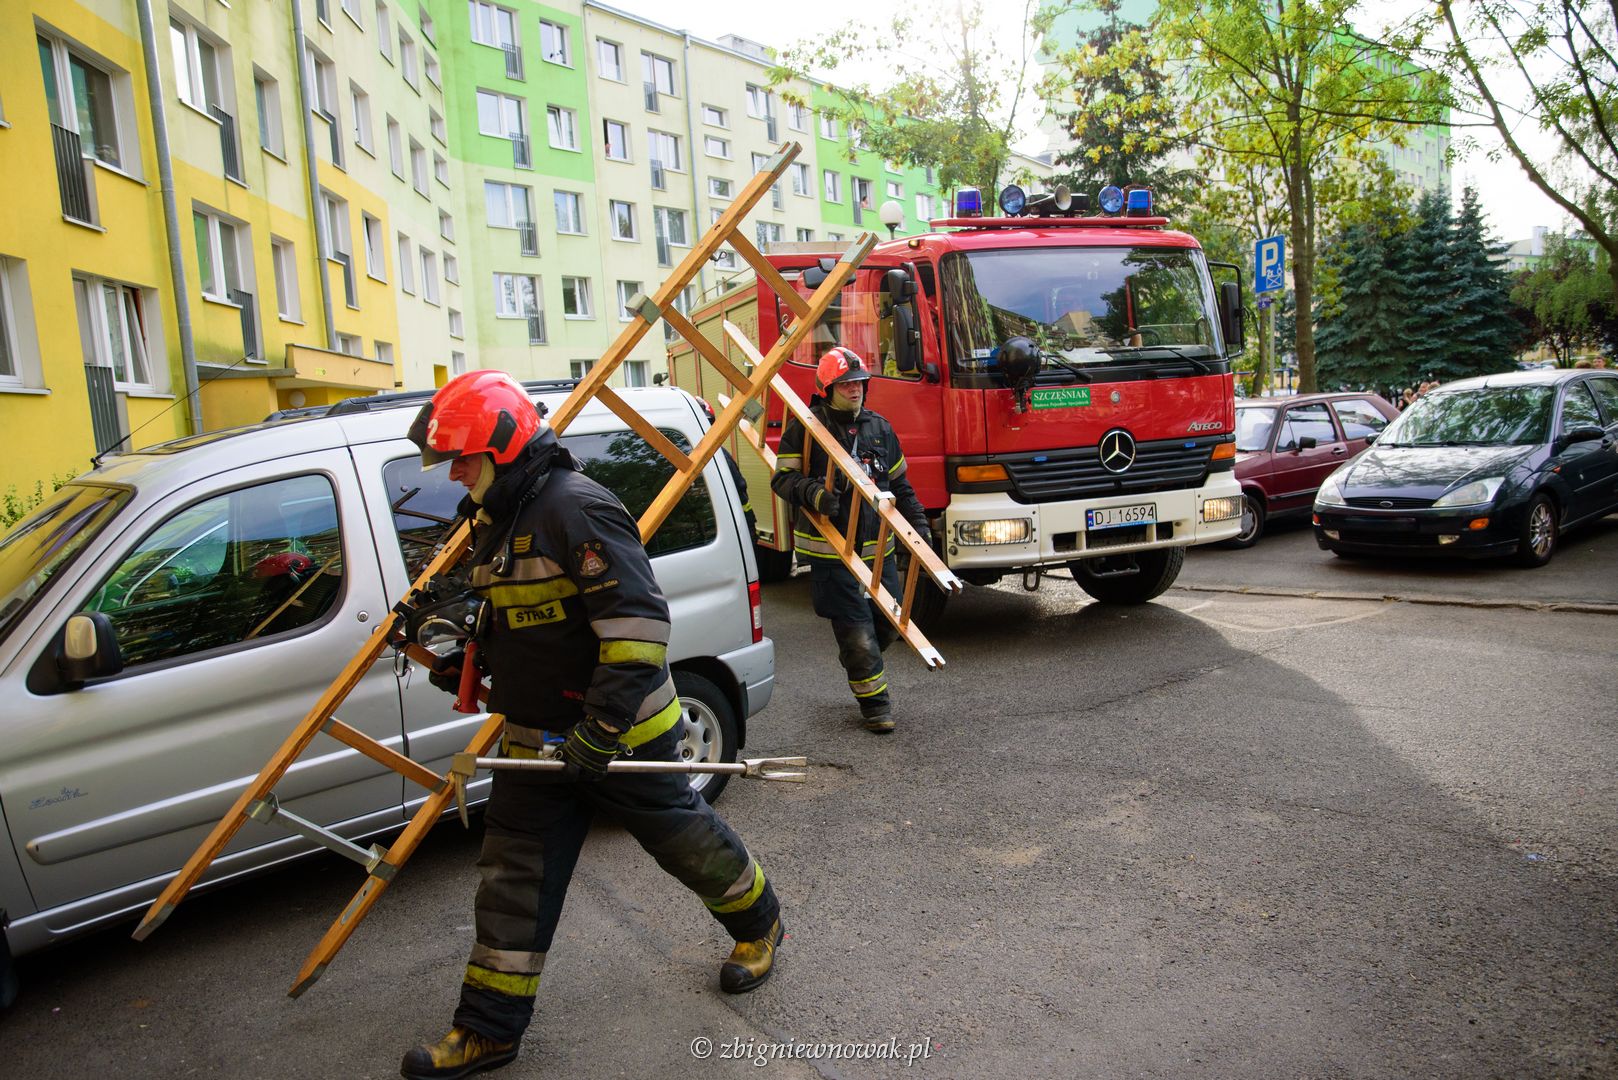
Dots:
{"x": 839, "y": 364}
{"x": 478, "y": 412}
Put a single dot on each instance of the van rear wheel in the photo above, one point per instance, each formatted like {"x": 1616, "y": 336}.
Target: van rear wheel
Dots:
{"x": 710, "y": 729}
{"x": 1132, "y": 578}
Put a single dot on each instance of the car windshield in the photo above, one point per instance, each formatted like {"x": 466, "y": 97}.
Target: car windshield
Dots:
{"x": 1481, "y": 416}
{"x": 43, "y": 544}
{"x": 1084, "y": 307}
{"x": 1253, "y": 427}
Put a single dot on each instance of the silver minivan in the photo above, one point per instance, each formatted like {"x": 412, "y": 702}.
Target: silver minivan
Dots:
{"x": 240, "y": 570}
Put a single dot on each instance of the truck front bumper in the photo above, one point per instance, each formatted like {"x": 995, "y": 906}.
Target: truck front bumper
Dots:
{"x": 1057, "y": 532}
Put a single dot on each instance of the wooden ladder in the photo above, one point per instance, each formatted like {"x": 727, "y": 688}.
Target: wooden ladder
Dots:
{"x": 257, "y": 801}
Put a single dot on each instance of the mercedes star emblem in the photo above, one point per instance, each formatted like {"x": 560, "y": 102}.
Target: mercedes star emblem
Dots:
{"x": 1117, "y": 450}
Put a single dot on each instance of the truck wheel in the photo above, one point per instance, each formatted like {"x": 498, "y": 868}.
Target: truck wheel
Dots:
{"x": 772, "y": 565}
{"x": 1129, "y": 579}
{"x": 710, "y": 729}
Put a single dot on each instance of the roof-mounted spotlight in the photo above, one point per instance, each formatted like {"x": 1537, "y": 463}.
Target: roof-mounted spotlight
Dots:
{"x": 1013, "y": 200}
{"x": 1111, "y": 199}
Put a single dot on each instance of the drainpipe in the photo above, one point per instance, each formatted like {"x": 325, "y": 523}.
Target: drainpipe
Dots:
{"x": 697, "y": 227}
{"x": 311, "y": 169}
{"x": 171, "y": 221}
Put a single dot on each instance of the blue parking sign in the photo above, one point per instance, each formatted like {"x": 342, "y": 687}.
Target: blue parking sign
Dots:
{"x": 1270, "y": 264}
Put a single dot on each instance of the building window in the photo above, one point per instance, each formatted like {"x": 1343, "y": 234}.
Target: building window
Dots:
{"x": 570, "y": 213}
{"x": 832, "y": 182}
{"x": 336, "y": 229}
{"x": 508, "y": 204}
{"x": 361, "y": 103}
{"x": 626, "y": 290}
{"x": 491, "y": 25}
{"x": 86, "y": 99}
{"x": 758, "y": 102}
{"x": 615, "y": 136}
{"x": 715, "y": 116}
{"x": 623, "y": 220}
{"x": 114, "y": 331}
{"x": 384, "y": 353}
{"x": 862, "y": 193}
{"x": 657, "y": 72}
{"x": 500, "y": 115}
{"x": 896, "y": 190}
{"x": 635, "y": 372}
{"x": 610, "y": 59}
{"x": 665, "y": 150}
{"x": 384, "y": 30}
{"x": 351, "y": 8}
{"x": 682, "y": 304}
{"x": 418, "y": 167}
{"x": 429, "y": 276}
{"x": 800, "y": 179}
{"x": 828, "y": 127}
{"x": 374, "y": 264}
{"x": 446, "y": 226}
{"x": 924, "y": 207}
{"x": 435, "y": 124}
{"x": 806, "y": 236}
{"x": 768, "y": 232}
{"x": 407, "y": 266}
{"x": 407, "y": 60}
{"x": 396, "y": 148}
{"x": 564, "y": 127}
{"x": 720, "y": 188}
{"x": 798, "y": 117}
{"x": 553, "y": 44}
{"x": 578, "y": 369}
{"x": 891, "y": 166}
{"x": 669, "y": 224}
{"x": 452, "y": 269}
{"x": 284, "y": 259}
{"x": 457, "y": 363}
{"x": 219, "y": 255}
{"x": 576, "y": 298}
{"x": 350, "y": 345}
{"x": 196, "y": 66}
{"x": 516, "y": 296}
{"x": 457, "y": 324}
{"x": 714, "y": 146}
{"x": 267, "y": 97}
{"x": 441, "y": 168}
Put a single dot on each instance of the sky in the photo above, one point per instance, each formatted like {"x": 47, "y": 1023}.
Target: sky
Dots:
{"x": 1513, "y": 204}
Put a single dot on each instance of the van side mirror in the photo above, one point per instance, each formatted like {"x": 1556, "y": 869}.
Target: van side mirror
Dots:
{"x": 88, "y": 649}
{"x": 1230, "y": 318}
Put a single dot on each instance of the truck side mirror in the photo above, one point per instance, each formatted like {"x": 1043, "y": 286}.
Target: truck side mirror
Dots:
{"x": 88, "y": 649}
{"x": 901, "y": 290}
{"x": 812, "y": 276}
{"x": 1230, "y": 317}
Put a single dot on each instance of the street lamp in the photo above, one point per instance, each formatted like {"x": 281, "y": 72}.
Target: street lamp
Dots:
{"x": 892, "y": 215}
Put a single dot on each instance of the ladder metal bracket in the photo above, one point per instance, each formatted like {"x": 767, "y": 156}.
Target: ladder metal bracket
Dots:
{"x": 645, "y": 307}
{"x": 773, "y": 160}
{"x": 269, "y": 811}
{"x": 853, "y": 256}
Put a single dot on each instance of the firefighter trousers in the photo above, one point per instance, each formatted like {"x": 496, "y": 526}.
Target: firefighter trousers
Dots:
{"x": 534, "y": 828}
{"x": 862, "y": 632}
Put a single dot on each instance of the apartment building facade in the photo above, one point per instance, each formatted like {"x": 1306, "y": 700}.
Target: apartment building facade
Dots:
{"x": 308, "y": 201}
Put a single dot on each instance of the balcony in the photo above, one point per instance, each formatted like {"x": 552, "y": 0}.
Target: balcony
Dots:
{"x": 521, "y": 156}
{"x": 228, "y": 148}
{"x": 528, "y": 237}
{"x": 513, "y": 62}
{"x": 244, "y": 300}
{"x": 72, "y": 178}
{"x": 536, "y": 328}
{"x": 650, "y": 90}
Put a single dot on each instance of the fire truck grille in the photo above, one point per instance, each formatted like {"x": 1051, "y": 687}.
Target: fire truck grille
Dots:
{"x": 1057, "y": 475}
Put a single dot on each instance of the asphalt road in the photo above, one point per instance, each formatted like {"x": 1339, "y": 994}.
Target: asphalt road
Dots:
{"x": 1222, "y": 835}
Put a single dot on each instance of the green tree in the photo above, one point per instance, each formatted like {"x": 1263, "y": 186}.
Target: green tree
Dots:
{"x": 1566, "y": 298}
{"x": 1361, "y": 336}
{"x": 1566, "y": 52}
{"x": 952, "y": 103}
{"x": 1113, "y": 99}
{"x": 1483, "y": 333}
{"x": 1426, "y": 288}
{"x": 1283, "y": 86}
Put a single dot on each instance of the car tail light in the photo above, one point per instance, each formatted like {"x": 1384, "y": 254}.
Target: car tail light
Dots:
{"x": 755, "y": 603}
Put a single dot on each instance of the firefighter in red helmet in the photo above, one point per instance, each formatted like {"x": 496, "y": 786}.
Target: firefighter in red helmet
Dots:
{"x": 861, "y": 631}
{"x": 575, "y": 644}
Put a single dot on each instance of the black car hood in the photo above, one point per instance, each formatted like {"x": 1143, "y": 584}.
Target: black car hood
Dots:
{"x": 1425, "y": 472}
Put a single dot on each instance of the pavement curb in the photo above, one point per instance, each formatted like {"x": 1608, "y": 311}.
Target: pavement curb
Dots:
{"x": 1578, "y": 606}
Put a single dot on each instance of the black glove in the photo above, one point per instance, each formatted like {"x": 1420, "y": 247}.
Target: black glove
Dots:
{"x": 446, "y": 671}
{"x": 589, "y": 749}
{"x": 921, "y": 526}
{"x": 824, "y": 500}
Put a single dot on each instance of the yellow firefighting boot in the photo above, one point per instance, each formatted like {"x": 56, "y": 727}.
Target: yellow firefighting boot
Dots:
{"x": 750, "y": 962}
{"x": 460, "y": 1053}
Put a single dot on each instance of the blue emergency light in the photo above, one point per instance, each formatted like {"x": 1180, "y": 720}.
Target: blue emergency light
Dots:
{"x": 1111, "y": 199}
{"x": 1140, "y": 202}
{"x": 968, "y": 202}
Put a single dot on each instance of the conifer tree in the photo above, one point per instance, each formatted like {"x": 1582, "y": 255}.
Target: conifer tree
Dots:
{"x": 1426, "y": 280}
{"x": 1361, "y": 329}
{"x": 1483, "y": 335}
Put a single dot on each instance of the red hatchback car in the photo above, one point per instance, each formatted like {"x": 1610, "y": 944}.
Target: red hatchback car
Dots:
{"x": 1286, "y": 446}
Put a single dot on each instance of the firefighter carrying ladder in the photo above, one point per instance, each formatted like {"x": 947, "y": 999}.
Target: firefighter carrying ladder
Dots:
{"x": 257, "y": 801}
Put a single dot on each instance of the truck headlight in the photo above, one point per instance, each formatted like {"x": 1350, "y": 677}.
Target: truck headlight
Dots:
{"x": 1222, "y": 509}
{"x": 995, "y": 531}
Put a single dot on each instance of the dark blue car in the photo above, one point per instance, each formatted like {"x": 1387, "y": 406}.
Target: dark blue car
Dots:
{"x": 1491, "y": 466}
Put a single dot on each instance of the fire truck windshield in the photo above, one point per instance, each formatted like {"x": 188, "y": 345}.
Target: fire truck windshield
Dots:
{"x": 1094, "y": 313}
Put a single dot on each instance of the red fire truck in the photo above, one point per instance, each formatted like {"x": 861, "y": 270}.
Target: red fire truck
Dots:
{"x": 1060, "y": 383}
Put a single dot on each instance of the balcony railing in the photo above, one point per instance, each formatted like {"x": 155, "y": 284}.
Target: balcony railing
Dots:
{"x": 650, "y": 90}
{"x": 528, "y": 235}
{"x": 769, "y": 126}
{"x": 536, "y": 328}
{"x": 70, "y": 175}
{"x": 776, "y": 199}
{"x": 350, "y": 286}
{"x": 664, "y": 255}
{"x": 659, "y": 180}
{"x": 249, "y": 322}
{"x": 513, "y": 62}
{"x": 227, "y": 143}
{"x": 104, "y": 421}
{"x": 521, "y": 156}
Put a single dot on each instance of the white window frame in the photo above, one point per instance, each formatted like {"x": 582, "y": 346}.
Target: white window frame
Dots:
{"x": 896, "y": 190}
{"x": 375, "y": 236}
{"x": 446, "y": 225}
{"x": 502, "y": 103}
{"x": 802, "y": 180}
{"x": 805, "y": 236}
{"x": 635, "y": 373}
{"x": 831, "y": 185}
{"x": 419, "y": 178}
{"x": 216, "y": 256}
{"x": 384, "y": 31}
{"x": 560, "y": 197}
{"x": 441, "y": 169}
{"x": 606, "y": 140}
{"x": 359, "y": 103}
{"x": 409, "y": 61}
{"x": 396, "y": 158}
{"x": 758, "y": 101}
{"x": 267, "y": 106}
{"x": 192, "y": 89}
{"x": 720, "y": 187}
{"x": 828, "y": 127}
{"x": 578, "y": 369}
{"x": 661, "y": 215}
{"x": 18, "y": 333}
{"x": 715, "y": 147}
{"x": 383, "y": 351}
{"x": 612, "y": 220}
{"x": 500, "y": 295}
{"x": 654, "y": 65}
{"x": 798, "y": 117}
{"x": 284, "y": 268}
{"x": 351, "y": 8}
{"x": 429, "y": 275}
{"x": 407, "y": 266}
{"x": 452, "y": 269}
{"x": 602, "y": 45}
{"x": 652, "y": 137}
{"x": 457, "y": 324}
{"x": 509, "y": 201}
{"x": 491, "y": 32}
{"x": 624, "y": 295}
{"x": 584, "y": 306}
{"x": 720, "y": 117}
{"x": 135, "y": 341}
{"x": 121, "y": 105}
{"x": 435, "y": 124}
{"x": 562, "y": 123}
{"x": 561, "y": 35}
